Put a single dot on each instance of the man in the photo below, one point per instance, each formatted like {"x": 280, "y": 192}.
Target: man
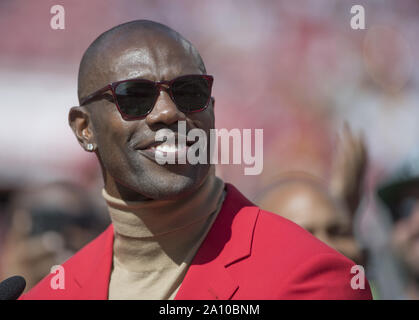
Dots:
{"x": 325, "y": 208}
{"x": 400, "y": 194}
{"x": 306, "y": 201}
{"x": 49, "y": 223}
{"x": 177, "y": 232}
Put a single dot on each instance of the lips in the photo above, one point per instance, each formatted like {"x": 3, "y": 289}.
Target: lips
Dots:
{"x": 161, "y": 151}
{"x": 143, "y": 145}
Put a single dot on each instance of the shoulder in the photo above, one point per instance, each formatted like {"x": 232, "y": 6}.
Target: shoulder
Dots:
{"x": 281, "y": 232}
{"x": 273, "y": 236}
{"x": 305, "y": 267}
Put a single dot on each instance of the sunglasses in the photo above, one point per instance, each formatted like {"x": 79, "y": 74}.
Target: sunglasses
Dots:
{"x": 135, "y": 98}
{"x": 404, "y": 207}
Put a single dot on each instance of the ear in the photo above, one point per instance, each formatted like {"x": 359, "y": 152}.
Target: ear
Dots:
{"x": 79, "y": 121}
{"x": 213, "y": 102}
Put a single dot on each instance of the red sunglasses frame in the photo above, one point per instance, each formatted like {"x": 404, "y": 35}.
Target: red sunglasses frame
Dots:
{"x": 161, "y": 85}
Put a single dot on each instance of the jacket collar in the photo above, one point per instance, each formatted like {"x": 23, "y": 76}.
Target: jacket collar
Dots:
{"x": 92, "y": 280}
{"x": 228, "y": 241}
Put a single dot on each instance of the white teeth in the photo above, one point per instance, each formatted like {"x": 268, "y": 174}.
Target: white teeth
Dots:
{"x": 170, "y": 153}
{"x": 166, "y": 147}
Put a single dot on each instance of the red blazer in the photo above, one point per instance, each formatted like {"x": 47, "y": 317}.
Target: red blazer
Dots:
{"x": 248, "y": 254}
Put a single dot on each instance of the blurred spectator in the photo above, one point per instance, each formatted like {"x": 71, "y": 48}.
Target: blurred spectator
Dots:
{"x": 326, "y": 209}
{"x": 400, "y": 194}
{"x": 48, "y": 225}
{"x": 306, "y": 201}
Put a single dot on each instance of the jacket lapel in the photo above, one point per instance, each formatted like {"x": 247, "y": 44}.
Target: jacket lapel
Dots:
{"x": 228, "y": 241}
{"x": 93, "y": 269}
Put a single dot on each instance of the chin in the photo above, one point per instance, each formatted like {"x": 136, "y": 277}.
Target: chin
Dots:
{"x": 170, "y": 185}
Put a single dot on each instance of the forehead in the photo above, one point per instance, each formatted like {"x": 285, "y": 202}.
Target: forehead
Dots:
{"x": 309, "y": 207}
{"x": 153, "y": 59}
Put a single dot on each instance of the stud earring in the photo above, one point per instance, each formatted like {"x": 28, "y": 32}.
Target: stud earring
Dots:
{"x": 90, "y": 147}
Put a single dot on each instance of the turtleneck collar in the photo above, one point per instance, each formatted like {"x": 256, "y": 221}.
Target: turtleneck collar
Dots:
{"x": 156, "y": 240}
{"x": 156, "y": 218}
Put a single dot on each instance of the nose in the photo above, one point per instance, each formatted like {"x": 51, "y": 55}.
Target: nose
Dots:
{"x": 164, "y": 111}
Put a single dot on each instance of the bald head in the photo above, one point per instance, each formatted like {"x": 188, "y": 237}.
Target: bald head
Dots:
{"x": 139, "y": 43}
{"x": 301, "y": 199}
{"x": 307, "y": 202}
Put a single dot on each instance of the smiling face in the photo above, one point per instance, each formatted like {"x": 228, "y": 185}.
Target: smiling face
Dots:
{"x": 121, "y": 146}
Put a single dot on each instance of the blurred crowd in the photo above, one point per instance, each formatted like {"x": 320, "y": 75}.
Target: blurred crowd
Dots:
{"x": 339, "y": 109}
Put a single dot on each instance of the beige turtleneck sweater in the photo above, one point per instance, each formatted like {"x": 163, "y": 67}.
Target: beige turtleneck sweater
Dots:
{"x": 156, "y": 240}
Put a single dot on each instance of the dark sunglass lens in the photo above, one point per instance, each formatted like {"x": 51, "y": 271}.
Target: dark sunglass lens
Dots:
{"x": 135, "y": 98}
{"x": 191, "y": 93}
